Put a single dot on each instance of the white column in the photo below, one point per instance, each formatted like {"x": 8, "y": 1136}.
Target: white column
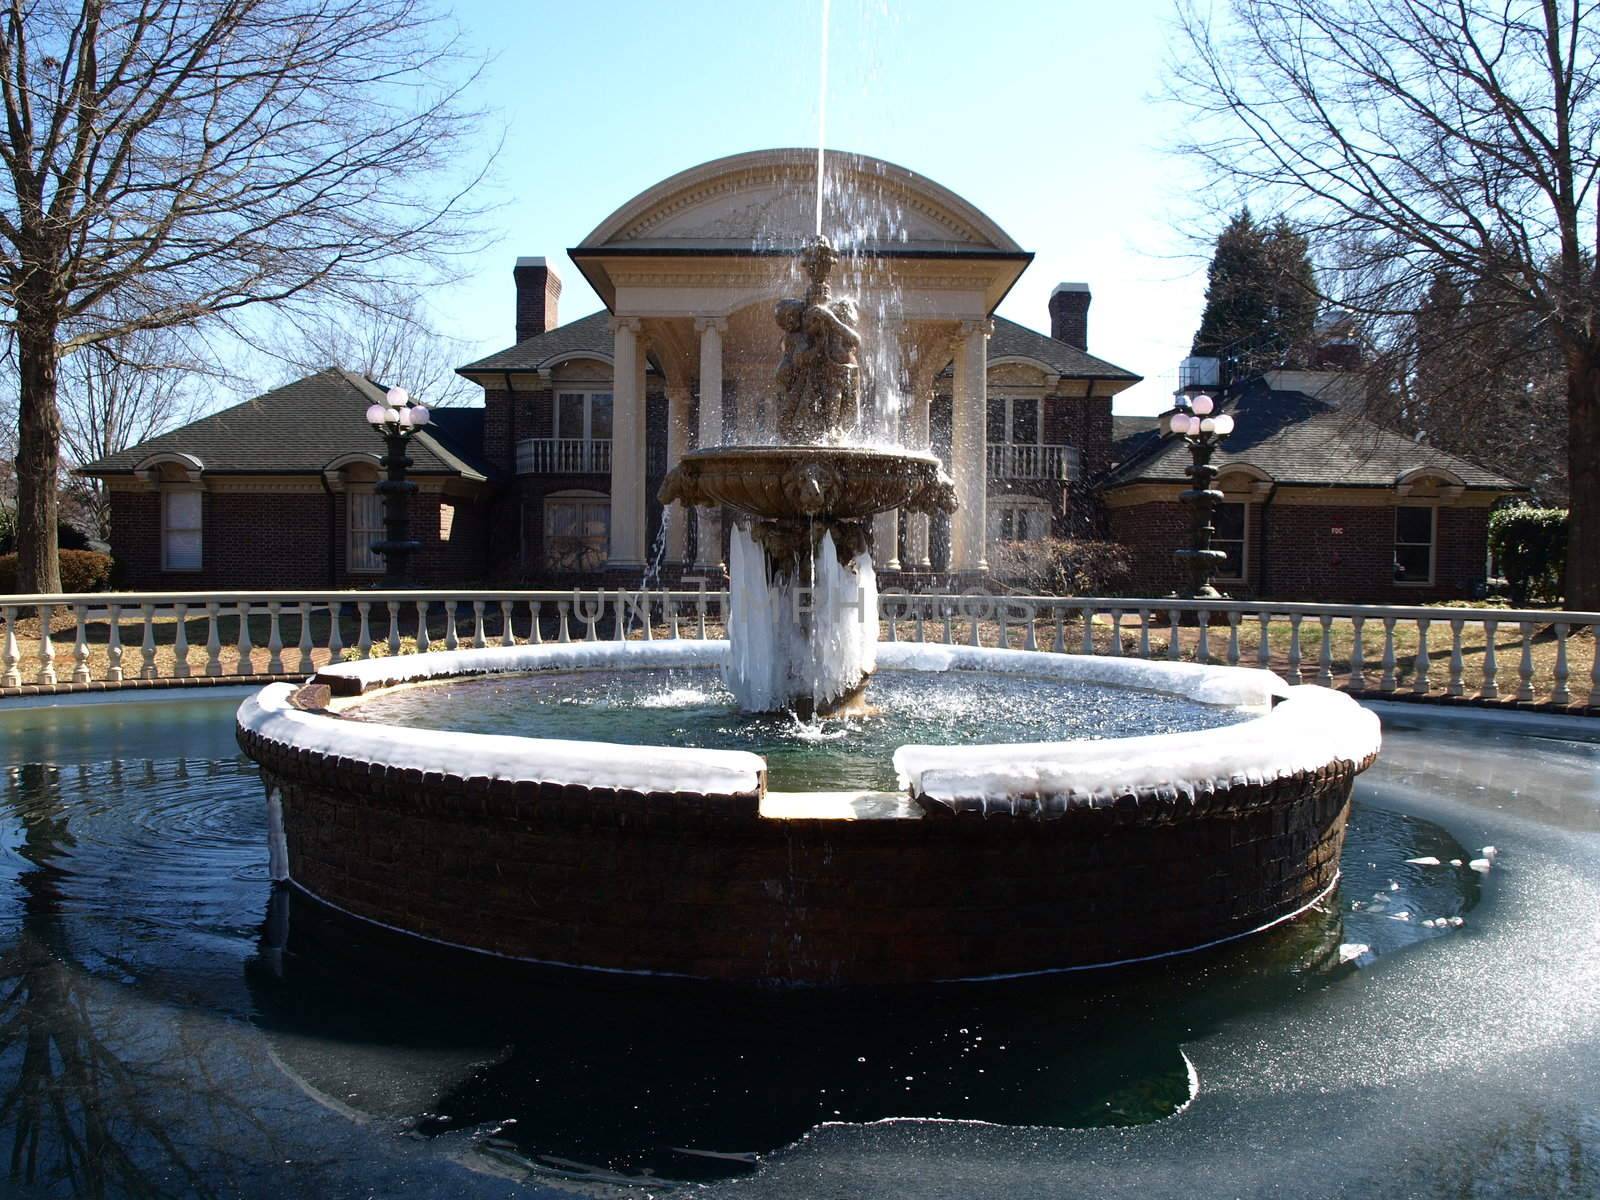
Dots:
{"x": 919, "y": 436}
{"x": 627, "y": 445}
{"x": 886, "y": 540}
{"x": 968, "y": 448}
{"x": 708, "y": 550}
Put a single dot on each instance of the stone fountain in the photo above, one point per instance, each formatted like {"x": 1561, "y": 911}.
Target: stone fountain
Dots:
{"x": 803, "y": 627}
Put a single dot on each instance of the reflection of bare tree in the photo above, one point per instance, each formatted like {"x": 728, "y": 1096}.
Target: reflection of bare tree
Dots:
{"x": 77, "y": 1113}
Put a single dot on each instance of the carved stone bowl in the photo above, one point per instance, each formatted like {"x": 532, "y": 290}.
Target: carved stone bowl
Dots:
{"x": 841, "y": 483}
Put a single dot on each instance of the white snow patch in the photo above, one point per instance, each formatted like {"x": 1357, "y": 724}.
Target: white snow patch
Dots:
{"x": 502, "y": 756}
{"x": 1308, "y": 730}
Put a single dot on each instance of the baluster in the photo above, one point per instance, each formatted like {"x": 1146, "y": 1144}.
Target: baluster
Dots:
{"x": 47, "y": 650}
{"x": 307, "y": 667}
{"x": 335, "y": 633}
{"x": 1116, "y": 633}
{"x": 536, "y": 611}
{"x": 274, "y": 640}
{"x": 364, "y": 635}
{"x": 1144, "y": 633}
{"x": 180, "y": 641}
{"x": 1525, "y": 667}
{"x": 507, "y": 637}
{"x": 1088, "y": 630}
{"x": 1061, "y": 631}
{"x": 1387, "y": 683}
{"x": 1001, "y": 611}
{"x": 1032, "y": 640}
{"x": 1594, "y": 666}
{"x": 1295, "y": 656}
{"x": 1325, "y": 657}
{"x": 148, "y": 645}
{"x": 11, "y": 655}
{"x": 1420, "y": 682}
{"x": 922, "y": 624}
{"x": 1491, "y": 664}
{"x": 886, "y": 604}
{"x": 566, "y": 633}
{"x": 1172, "y": 635}
{"x": 424, "y": 640}
{"x": 975, "y": 617}
{"x": 1358, "y": 666}
{"x": 669, "y": 607}
{"x": 700, "y": 615}
{"x": 619, "y": 630}
{"x": 1202, "y": 620}
{"x": 1233, "y": 637}
{"x": 478, "y": 640}
{"x": 80, "y": 645}
{"x": 949, "y": 625}
{"x": 1264, "y": 646}
{"x": 394, "y": 625}
{"x": 1457, "y": 665}
{"x": 213, "y": 640}
{"x": 1561, "y": 695}
{"x": 114, "y": 646}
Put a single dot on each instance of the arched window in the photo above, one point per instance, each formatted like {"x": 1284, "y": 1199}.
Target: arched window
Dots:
{"x": 577, "y": 531}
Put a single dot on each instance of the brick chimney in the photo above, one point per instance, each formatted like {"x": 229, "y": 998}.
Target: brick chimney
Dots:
{"x": 1069, "y": 314}
{"x": 538, "y": 292}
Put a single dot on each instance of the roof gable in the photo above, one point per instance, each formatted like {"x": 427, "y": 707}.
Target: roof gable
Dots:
{"x": 302, "y": 426}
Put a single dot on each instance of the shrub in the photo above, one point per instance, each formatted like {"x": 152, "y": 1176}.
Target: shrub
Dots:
{"x": 68, "y": 537}
{"x": 81, "y": 571}
{"x": 1063, "y": 566}
{"x": 1530, "y": 545}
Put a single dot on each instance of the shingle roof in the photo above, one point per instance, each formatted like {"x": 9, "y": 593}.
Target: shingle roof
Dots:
{"x": 1013, "y": 340}
{"x": 1130, "y": 435}
{"x": 1296, "y": 439}
{"x": 591, "y": 334}
{"x": 302, "y": 426}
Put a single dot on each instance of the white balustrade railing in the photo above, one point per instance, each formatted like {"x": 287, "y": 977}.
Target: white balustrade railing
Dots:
{"x": 556, "y": 456}
{"x": 1031, "y": 460}
{"x": 108, "y": 640}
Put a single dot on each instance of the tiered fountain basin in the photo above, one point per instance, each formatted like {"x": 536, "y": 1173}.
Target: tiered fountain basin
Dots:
{"x": 988, "y": 860}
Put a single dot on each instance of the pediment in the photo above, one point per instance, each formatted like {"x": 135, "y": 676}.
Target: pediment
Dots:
{"x": 768, "y": 200}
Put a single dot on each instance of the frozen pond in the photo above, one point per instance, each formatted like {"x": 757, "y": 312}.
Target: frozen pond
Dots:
{"x": 173, "y": 1027}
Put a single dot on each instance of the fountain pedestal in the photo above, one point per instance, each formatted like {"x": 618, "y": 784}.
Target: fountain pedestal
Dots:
{"x": 802, "y": 590}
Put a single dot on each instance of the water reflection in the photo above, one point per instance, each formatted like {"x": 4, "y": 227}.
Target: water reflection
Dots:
{"x": 606, "y": 1076}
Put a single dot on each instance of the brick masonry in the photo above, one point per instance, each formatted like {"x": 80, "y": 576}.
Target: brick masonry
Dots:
{"x": 1327, "y": 553}
{"x": 290, "y": 540}
{"x": 704, "y": 886}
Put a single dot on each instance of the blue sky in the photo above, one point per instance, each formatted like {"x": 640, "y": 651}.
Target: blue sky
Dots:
{"x": 1046, "y": 115}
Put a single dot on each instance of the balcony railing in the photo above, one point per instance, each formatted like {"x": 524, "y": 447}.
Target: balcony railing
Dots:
{"x": 564, "y": 456}
{"x": 125, "y": 639}
{"x": 1029, "y": 460}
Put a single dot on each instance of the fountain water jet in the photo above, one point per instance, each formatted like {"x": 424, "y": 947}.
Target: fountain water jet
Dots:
{"x": 805, "y": 511}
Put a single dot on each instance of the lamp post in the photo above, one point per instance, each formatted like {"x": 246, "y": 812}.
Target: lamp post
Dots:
{"x": 1195, "y": 420}
{"x": 396, "y": 420}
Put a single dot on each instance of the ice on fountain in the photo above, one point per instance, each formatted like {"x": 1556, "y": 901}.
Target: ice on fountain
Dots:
{"x": 777, "y": 651}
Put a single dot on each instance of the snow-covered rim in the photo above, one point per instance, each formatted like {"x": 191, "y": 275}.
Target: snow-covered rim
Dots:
{"x": 1299, "y": 729}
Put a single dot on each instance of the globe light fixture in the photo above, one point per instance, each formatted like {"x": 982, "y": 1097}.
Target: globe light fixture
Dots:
{"x": 396, "y": 420}
{"x": 1194, "y": 418}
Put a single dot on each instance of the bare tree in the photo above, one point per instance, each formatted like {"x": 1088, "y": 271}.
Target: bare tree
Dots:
{"x": 1419, "y": 135}
{"x": 395, "y": 344}
{"x": 118, "y": 393}
{"x": 173, "y": 162}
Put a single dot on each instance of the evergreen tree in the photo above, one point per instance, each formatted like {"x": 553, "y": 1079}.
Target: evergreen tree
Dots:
{"x": 1260, "y": 298}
